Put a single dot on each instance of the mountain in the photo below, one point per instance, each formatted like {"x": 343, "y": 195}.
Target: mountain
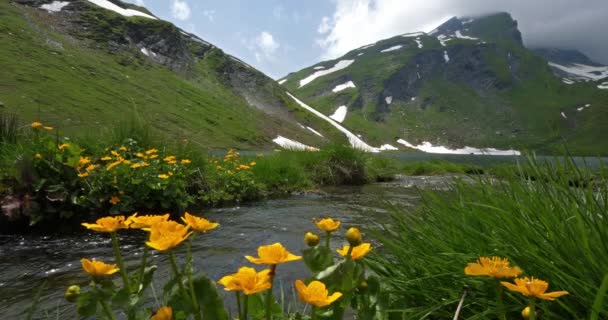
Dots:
{"x": 470, "y": 84}
{"x": 83, "y": 65}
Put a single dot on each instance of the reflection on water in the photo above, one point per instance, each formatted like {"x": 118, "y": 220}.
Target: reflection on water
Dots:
{"x": 27, "y": 261}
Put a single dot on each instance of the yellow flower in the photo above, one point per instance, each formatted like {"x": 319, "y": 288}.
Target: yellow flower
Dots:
{"x": 199, "y": 224}
{"x": 273, "y": 254}
{"x": 37, "y": 156}
{"x": 316, "y": 293}
{"x": 106, "y": 158}
{"x": 83, "y": 175}
{"x": 91, "y": 168}
{"x": 140, "y": 155}
{"x": 140, "y": 222}
{"x": 311, "y": 239}
{"x": 163, "y": 176}
{"x": 114, "y": 200}
{"x": 253, "y": 163}
{"x": 358, "y": 252}
{"x": 122, "y": 148}
{"x": 154, "y": 156}
{"x": 164, "y": 313}
{"x": 107, "y": 224}
{"x": 247, "y": 280}
{"x": 135, "y": 165}
{"x": 525, "y": 313}
{"x": 185, "y": 161}
{"x": 532, "y": 287}
{"x": 328, "y": 224}
{"x": 169, "y": 158}
{"x": 172, "y": 162}
{"x": 48, "y": 128}
{"x": 353, "y": 235}
{"x": 98, "y": 268}
{"x": 36, "y": 124}
{"x": 127, "y": 162}
{"x": 151, "y": 151}
{"x": 218, "y": 167}
{"x": 83, "y": 161}
{"x": 63, "y": 146}
{"x": 495, "y": 267}
{"x": 114, "y": 164}
{"x": 166, "y": 235}
{"x": 114, "y": 153}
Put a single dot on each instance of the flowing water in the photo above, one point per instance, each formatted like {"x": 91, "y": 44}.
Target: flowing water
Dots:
{"x": 28, "y": 261}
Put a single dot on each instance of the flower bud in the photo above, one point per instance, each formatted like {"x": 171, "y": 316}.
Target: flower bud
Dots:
{"x": 353, "y": 235}
{"x": 311, "y": 239}
{"x": 526, "y": 313}
{"x": 72, "y": 293}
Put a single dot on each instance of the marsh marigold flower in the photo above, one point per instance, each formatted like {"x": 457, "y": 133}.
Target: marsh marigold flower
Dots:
{"x": 107, "y": 224}
{"x": 311, "y": 239}
{"x": 151, "y": 151}
{"x": 63, "y": 146}
{"x": 525, "y": 313}
{"x": 123, "y": 148}
{"x": 273, "y": 254}
{"x": 353, "y": 236}
{"x": 164, "y": 313}
{"x": 98, "y": 268}
{"x": 114, "y": 200}
{"x": 166, "y": 235}
{"x": 185, "y": 161}
{"x": 247, "y": 280}
{"x": 163, "y": 176}
{"x": 495, "y": 267}
{"x": 532, "y": 287}
{"x": 48, "y": 128}
{"x": 199, "y": 224}
{"x": 83, "y": 175}
{"x": 106, "y": 158}
{"x": 315, "y": 293}
{"x": 140, "y": 222}
{"x": 36, "y": 124}
{"x": 328, "y": 224}
{"x": 358, "y": 252}
{"x": 37, "y": 156}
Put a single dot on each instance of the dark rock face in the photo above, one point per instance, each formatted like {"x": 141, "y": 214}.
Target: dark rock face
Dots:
{"x": 565, "y": 56}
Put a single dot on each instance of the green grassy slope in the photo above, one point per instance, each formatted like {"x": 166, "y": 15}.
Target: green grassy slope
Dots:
{"x": 492, "y": 93}
{"x": 76, "y": 84}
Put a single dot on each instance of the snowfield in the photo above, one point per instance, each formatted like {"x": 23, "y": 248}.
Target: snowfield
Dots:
{"x": 315, "y": 132}
{"x": 430, "y": 148}
{"x": 393, "y": 48}
{"x": 54, "y": 6}
{"x": 339, "y": 66}
{"x": 344, "y": 86}
{"x": 459, "y": 35}
{"x": 340, "y": 114}
{"x": 446, "y": 57}
{"x": 582, "y": 71}
{"x": 413, "y": 34}
{"x": 603, "y": 86}
{"x": 124, "y": 12}
{"x": 388, "y": 100}
{"x": 387, "y": 147}
{"x": 420, "y": 46}
{"x": 282, "y": 81}
{"x": 443, "y": 39}
{"x": 292, "y": 145}
{"x": 354, "y": 141}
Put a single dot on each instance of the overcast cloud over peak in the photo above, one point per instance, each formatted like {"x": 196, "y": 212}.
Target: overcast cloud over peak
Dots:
{"x": 543, "y": 23}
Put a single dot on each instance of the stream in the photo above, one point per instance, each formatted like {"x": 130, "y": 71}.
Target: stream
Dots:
{"x": 26, "y": 262}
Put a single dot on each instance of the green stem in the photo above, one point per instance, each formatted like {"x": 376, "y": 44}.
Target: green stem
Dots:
{"x": 245, "y": 307}
{"x": 500, "y": 305}
{"x": 327, "y": 238}
{"x": 121, "y": 265}
{"x": 532, "y": 309}
{"x": 350, "y": 251}
{"x": 238, "y": 304}
{"x": 180, "y": 283}
{"x": 107, "y": 310}
{"x": 273, "y": 269}
{"x": 142, "y": 268}
{"x": 313, "y": 313}
{"x": 189, "y": 271}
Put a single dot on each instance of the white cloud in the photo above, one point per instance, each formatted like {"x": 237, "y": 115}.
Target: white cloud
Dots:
{"x": 355, "y": 23}
{"x": 264, "y": 46}
{"x": 180, "y": 10}
{"x": 210, "y": 14}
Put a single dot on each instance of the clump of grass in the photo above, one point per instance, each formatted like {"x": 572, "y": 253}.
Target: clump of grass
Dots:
{"x": 550, "y": 228}
{"x": 9, "y": 127}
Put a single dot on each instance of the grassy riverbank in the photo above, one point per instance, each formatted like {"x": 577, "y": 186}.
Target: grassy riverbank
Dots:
{"x": 552, "y": 228}
{"x": 46, "y": 176}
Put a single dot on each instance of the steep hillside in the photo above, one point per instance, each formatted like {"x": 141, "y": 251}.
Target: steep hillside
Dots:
{"x": 84, "y": 65}
{"x": 469, "y": 83}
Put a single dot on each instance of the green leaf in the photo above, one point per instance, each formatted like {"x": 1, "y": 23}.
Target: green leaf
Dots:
{"x": 208, "y": 299}
{"x": 318, "y": 258}
{"x": 148, "y": 275}
{"x": 86, "y": 305}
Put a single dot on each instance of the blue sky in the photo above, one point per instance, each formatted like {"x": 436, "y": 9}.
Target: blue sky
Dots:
{"x": 282, "y": 36}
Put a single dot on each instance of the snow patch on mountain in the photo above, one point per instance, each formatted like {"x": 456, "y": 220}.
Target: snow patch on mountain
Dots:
{"x": 319, "y": 67}
{"x": 122, "y": 11}
{"x": 339, "y": 66}
{"x": 281, "y": 81}
{"x": 583, "y": 72}
{"x": 563, "y": 115}
{"x": 567, "y": 81}
{"x": 603, "y": 86}
{"x": 387, "y": 147}
{"x": 344, "y": 86}
{"x": 459, "y": 35}
{"x": 388, "y": 100}
{"x": 147, "y": 52}
{"x": 413, "y": 34}
{"x": 54, "y": 6}
{"x": 340, "y": 114}
{"x": 443, "y": 39}
{"x": 354, "y": 141}
{"x": 420, "y": 46}
{"x": 315, "y": 132}
{"x": 393, "y": 48}
{"x": 446, "y": 57}
{"x": 289, "y": 144}
{"x": 430, "y": 148}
